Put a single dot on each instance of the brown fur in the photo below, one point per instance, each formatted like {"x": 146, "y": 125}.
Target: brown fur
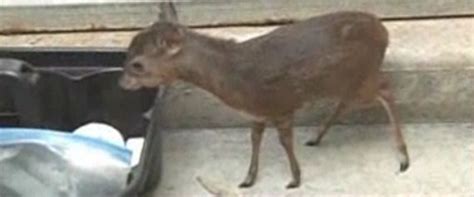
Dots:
{"x": 270, "y": 77}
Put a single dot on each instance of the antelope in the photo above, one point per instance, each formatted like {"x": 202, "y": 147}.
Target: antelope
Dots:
{"x": 333, "y": 56}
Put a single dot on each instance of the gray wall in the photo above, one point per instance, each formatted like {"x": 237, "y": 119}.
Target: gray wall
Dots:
{"x": 213, "y": 12}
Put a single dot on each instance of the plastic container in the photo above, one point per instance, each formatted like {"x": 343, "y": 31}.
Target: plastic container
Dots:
{"x": 64, "y": 88}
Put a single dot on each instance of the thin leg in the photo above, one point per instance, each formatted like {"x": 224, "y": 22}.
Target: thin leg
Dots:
{"x": 387, "y": 100}
{"x": 285, "y": 132}
{"x": 256, "y": 136}
{"x": 327, "y": 123}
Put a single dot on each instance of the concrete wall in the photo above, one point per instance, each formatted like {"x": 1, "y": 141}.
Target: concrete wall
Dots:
{"x": 431, "y": 63}
{"x": 134, "y": 15}
{"x": 62, "y": 2}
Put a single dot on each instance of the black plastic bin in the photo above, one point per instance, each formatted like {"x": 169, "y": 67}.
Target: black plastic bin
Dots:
{"x": 63, "y": 88}
{"x": 12, "y": 85}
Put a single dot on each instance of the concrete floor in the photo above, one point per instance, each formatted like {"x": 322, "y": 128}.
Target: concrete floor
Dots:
{"x": 351, "y": 161}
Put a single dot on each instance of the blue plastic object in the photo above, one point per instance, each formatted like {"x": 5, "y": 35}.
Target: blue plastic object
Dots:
{"x": 61, "y": 138}
{"x": 38, "y": 162}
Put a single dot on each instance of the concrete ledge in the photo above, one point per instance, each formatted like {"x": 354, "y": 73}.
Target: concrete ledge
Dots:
{"x": 431, "y": 64}
{"x": 422, "y": 96}
{"x": 138, "y": 14}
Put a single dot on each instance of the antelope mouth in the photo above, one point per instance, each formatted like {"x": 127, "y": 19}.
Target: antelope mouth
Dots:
{"x": 129, "y": 83}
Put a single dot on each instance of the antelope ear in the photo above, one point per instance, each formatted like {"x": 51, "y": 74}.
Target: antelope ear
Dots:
{"x": 171, "y": 47}
{"x": 172, "y": 40}
{"x": 168, "y": 12}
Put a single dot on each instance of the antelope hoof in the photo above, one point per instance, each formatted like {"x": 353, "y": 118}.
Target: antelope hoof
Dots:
{"x": 404, "y": 166}
{"x": 245, "y": 185}
{"x": 248, "y": 182}
{"x": 293, "y": 184}
{"x": 404, "y": 160}
{"x": 312, "y": 143}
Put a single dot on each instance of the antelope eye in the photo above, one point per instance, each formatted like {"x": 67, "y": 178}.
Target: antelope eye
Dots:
{"x": 137, "y": 67}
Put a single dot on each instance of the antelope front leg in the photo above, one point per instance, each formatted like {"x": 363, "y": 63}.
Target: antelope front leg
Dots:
{"x": 256, "y": 136}
{"x": 285, "y": 132}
